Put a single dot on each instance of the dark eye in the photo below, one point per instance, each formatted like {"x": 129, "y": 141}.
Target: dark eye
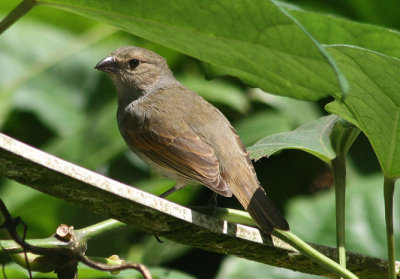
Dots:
{"x": 134, "y": 63}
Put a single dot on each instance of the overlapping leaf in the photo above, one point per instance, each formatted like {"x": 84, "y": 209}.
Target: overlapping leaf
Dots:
{"x": 313, "y": 137}
{"x": 255, "y": 41}
{"x": 373, "y": 103}
{"x": 329, "y": 29}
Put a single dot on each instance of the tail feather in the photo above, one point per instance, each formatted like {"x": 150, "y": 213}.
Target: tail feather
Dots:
{"x": 265, "y": 213}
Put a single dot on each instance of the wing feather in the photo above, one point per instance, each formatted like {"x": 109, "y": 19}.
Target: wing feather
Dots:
{"x": 181, "y": 152}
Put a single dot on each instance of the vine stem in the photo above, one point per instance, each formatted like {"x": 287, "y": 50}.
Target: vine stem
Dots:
{"x": 99, "y": 229}
{"x": 339, "y": 176}
{"x": 388, "y": 194}
{"x": 313, "y": 254}
{"x": 242, "y": 217}
{"x": 23, "y": 8}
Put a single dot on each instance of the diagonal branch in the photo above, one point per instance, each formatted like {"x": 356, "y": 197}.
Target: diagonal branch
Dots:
{"x": 112, "y": 199}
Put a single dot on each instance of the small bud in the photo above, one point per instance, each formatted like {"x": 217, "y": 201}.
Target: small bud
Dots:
{"x": 115, "y": 260}
{"x": 65, "y": 232}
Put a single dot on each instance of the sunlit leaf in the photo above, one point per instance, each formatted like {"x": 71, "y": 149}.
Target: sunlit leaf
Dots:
{"x": 329, "y": 29}
{"x": 255, "y": 41}
{"x": 373, "y": 103}
{"x": 313, "y": 138}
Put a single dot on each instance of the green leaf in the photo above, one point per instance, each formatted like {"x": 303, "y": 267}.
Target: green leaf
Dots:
{"x": 255, "y": 41}
{"x": 329, "y": 30}
{"x": 261, "y": 124}
{"x": 48, "y": 79}
{"x": 373, "y": 103}
{"x": 101, "y": 131}
{"x": 217, "y": 91}
{"x": 313, "y": 138}
{"x": 297, "y": 112}
{"x": 343, "y": 136}
{"x": 50, "y": 16}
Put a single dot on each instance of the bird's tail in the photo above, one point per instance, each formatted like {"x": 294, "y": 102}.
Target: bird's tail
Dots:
{"x": 264, "y": 212}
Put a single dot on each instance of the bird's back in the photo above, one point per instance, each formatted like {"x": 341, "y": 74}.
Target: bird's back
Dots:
{"x": 236, "y": 167}
{"x": 214, "y": 130}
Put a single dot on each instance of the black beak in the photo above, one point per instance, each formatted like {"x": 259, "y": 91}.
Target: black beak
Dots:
{"x": 107, "y": 65}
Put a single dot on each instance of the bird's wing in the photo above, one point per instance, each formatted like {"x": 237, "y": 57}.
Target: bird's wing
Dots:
{"x": 181, "y": 152}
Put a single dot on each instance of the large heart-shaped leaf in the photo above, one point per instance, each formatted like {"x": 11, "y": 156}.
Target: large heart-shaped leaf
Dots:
{"x": 373, "y": 103}
{"x": 255, "y": 41}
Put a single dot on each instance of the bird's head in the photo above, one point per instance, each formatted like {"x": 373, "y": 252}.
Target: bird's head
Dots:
{"x": 136, "y": 71}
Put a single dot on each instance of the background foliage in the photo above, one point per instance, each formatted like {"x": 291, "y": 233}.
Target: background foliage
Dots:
{"x": 52, "y": 98}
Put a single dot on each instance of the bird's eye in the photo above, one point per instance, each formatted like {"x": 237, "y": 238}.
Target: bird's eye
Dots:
{"x": 133, "y": 63}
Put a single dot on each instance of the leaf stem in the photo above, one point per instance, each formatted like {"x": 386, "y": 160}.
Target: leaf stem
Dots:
{"x": 339, "y": 176}
{"x": 23, "y": 8}
{"x": 388, "y": 194}
{"x": 313, "y": 254}
{"x": 242, "y": 217}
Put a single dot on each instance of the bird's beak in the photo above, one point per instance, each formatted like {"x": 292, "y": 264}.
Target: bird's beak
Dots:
{"x": 107, "y": 65}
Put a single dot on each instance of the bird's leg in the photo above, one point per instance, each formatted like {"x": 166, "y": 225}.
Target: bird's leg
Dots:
{"x": 168, "y": 192}
{"x": 177, "y": 187}
{"x": 213, "y": 200}
{"x": 212, "y": 203}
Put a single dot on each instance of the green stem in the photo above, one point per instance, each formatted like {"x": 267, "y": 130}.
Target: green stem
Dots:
{"x": 10, "y": 246}
{"x": 339, "y": 176}
{"x": 229, "y": 214}
{"x": 98, "y": 229}
{"x": 242, "y": 217}
{"x": 313, "y": 254}
{"x": 388, "y": 193}
{"x": 51, "y": 242}
{"x": 23, "y": 8}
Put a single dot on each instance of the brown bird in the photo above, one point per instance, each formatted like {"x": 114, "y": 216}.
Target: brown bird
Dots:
{"x": 183, "y": 136}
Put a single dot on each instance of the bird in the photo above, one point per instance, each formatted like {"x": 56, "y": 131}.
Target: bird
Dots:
{"x": 181, "y": 135}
